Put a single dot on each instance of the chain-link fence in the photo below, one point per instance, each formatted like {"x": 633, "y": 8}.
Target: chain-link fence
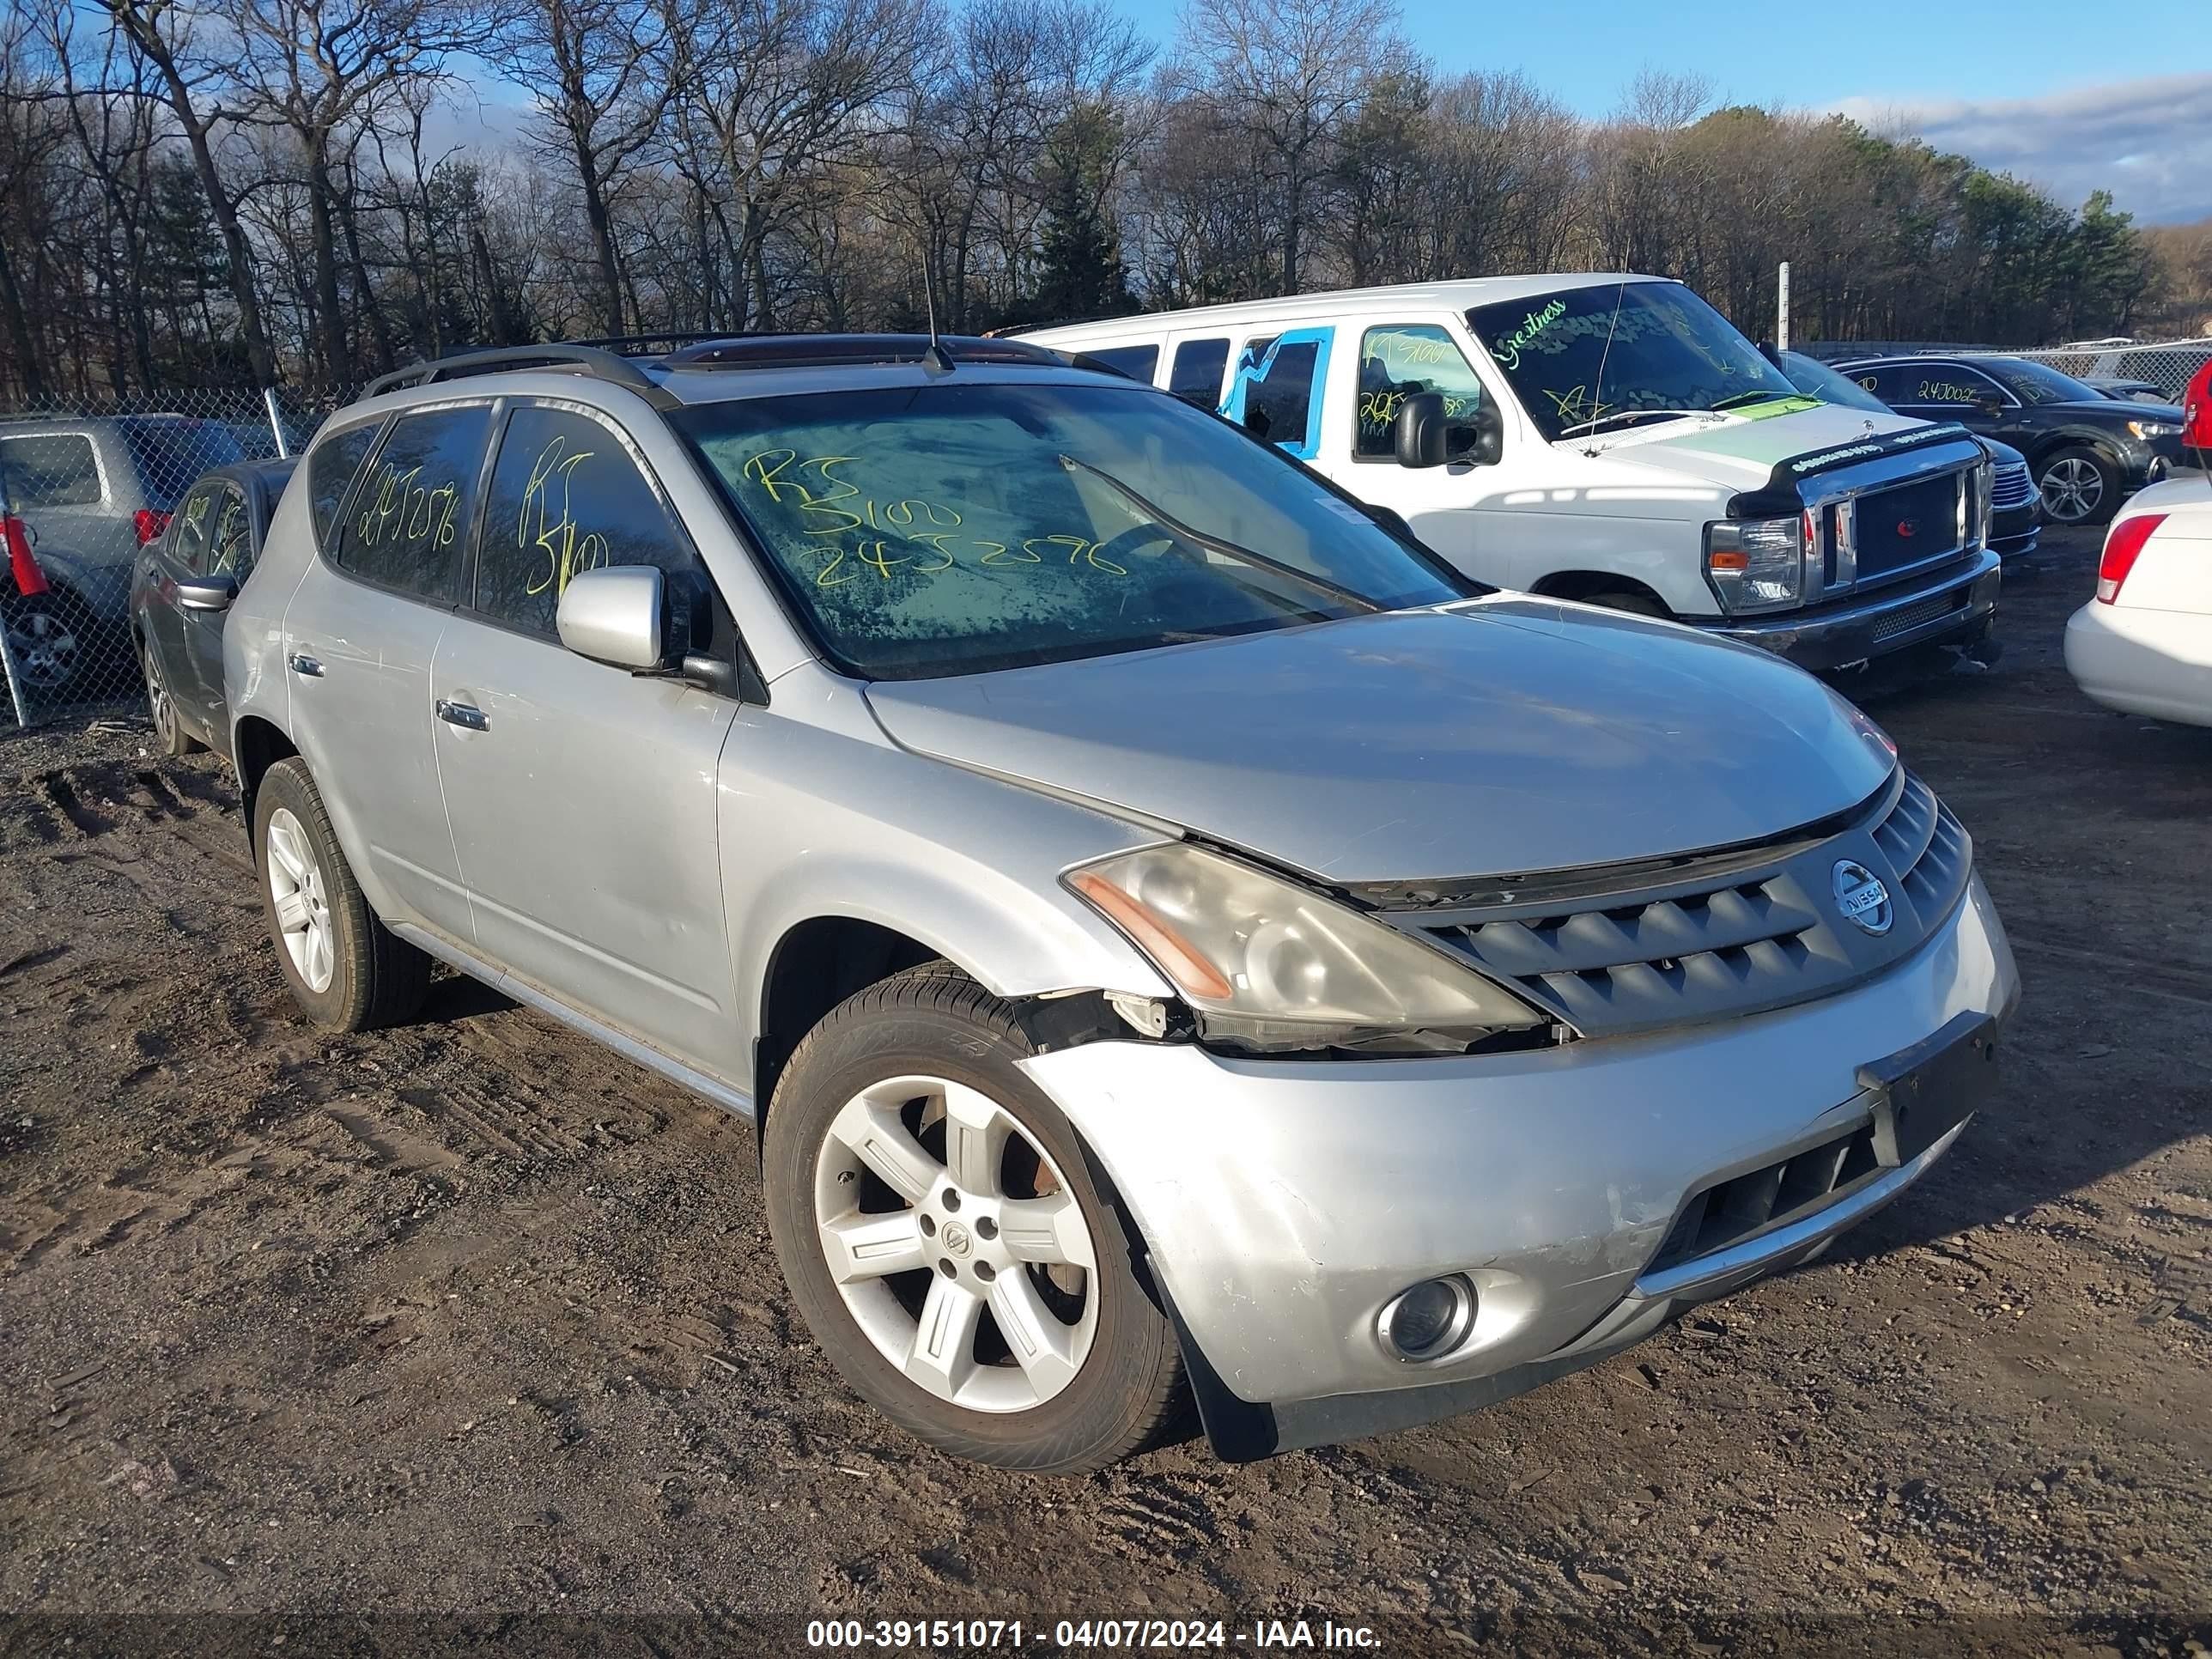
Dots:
{"x": 94, "y": 493}
{"x": 2152, "y": 373}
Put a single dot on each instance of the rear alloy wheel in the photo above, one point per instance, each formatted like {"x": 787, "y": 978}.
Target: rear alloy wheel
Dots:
{"x": 169, "y": 731}
{"x": 947, "y": 1242}
{"x": 2079, "y": 487}
{"x": 48, "y": 637}
{"x": 346, "y": 969}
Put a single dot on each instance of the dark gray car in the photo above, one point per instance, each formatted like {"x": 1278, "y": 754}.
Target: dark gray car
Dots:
{"x": 181, "y": 590}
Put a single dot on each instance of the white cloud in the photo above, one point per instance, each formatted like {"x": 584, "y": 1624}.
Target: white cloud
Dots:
{"x": 2148, "y": 142}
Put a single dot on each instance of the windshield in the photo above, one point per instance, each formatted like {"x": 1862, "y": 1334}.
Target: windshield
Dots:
{"x": 2034, "y": 383}
{"x": 1669, "y": 352}
{"x": 955, "y": 528}
{"x": 1816, "y": 380}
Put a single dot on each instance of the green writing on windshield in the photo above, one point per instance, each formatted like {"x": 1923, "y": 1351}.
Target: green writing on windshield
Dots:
{"x": 1506, "y": 352}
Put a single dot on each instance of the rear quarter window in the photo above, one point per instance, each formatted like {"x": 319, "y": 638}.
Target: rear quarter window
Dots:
{"x": 50, "y": 471}
{"x": 330, "y": 472}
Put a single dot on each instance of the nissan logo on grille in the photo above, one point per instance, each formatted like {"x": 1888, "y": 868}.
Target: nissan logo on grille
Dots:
{"x": 1861, "y": 897}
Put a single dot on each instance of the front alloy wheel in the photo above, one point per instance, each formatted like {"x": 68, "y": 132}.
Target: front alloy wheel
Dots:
{"x": 954, "y": 1245}
{"x": 948, "y": 1241}
{"x": 161, "y": 703}
{"x": 2076, "y": 487}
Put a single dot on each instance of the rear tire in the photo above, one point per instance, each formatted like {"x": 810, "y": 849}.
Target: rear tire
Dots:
{"x": 947, "y": 1242}
{"x": 50, "y": 635}
{"x": 346, "y": 969}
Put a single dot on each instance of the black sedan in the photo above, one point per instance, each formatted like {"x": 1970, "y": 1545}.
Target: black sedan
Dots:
{"x": 2089, "y": 452}
{"x": 2015, "y": 510}
{"x": 184, "y": 582}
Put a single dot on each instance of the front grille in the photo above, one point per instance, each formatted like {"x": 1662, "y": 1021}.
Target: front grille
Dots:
{"x": 1905, "y": 618}
{"x": 1907, "y": 525}
{"x": 2012, "y": 486}
{"x": 1729, "y": 1212}
{"x": 1714, "y": 936}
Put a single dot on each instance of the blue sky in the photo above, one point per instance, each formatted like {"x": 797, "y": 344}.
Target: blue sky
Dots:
{"x": 2040, "y": 89}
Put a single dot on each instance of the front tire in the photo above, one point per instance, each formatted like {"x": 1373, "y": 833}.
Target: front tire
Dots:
{"x": 2079, "y": 486}
{"x": 346, "y": 969}
{"x": 947, "y": 1242}
{"x": 170, "y": 737}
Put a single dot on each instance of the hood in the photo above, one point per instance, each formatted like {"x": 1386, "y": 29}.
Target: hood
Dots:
{"x": 1493, "y": 736}
{"x": 2110, "y": 411}
{"x": 1740, "y": 449}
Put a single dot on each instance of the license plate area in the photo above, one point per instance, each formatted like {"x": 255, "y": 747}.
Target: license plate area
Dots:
{"x": 1924, "y": 1092}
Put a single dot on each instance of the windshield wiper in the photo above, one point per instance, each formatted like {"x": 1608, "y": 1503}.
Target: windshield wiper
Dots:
{"x": 1358, "y": 602}
{"x": 1738, "y": 399}
{"x": 1619, "y": 415}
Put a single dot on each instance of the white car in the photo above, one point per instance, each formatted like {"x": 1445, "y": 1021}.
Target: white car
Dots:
{"x": 2144, "y": 644}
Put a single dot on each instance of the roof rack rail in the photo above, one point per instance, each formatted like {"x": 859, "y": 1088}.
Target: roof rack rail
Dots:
{"x": 651, "y": 344}
{"x": 578, "y": 359}
{"x": 824, "y": 351}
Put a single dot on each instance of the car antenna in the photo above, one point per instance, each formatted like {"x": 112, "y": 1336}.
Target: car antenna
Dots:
{"x": 935, "y": 359}
{"x": 1597, "y": 392}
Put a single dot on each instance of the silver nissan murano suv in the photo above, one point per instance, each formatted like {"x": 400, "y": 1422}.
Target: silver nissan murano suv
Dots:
{"x": 1170, "y": 930}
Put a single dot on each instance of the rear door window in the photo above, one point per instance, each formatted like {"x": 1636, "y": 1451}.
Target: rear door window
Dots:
{"x": 407, "y": 523}
{"x": 56, "y": 469}
{"x": 331, "y": 471}
{"x": 1137, "y": 361}
{"x": 1278, "y": 387}
{"x": 1195, "y": 374}
{"x": 1891, "y": 382}
{"x": 1395, "y": 362}
{"x": 566, "y": 496}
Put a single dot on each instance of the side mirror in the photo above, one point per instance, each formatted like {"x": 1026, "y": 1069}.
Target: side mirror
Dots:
{"x": 208, "y": 592}
{"x": 613, "y": 615}
{"x": 1425, "y": 438}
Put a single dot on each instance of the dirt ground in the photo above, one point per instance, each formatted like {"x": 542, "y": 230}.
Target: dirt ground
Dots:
{"x": 473, "y": 1319}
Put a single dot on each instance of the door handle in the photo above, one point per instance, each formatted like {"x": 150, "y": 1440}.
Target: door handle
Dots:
{"x": 301, "y": 663}
{"x": 465, "y": 714}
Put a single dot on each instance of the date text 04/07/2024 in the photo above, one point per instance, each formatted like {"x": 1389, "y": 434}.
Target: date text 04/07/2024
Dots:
{"x": 1137, "y": 1635}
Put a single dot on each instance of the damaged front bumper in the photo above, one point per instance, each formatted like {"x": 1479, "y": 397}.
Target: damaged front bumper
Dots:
{"x": 1285, "y": 1204}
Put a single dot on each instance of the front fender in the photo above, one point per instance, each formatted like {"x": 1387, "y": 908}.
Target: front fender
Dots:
{"x": 816, "y": 824}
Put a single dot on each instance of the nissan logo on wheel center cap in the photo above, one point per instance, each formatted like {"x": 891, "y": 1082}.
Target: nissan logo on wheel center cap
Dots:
{"x": 1860, "y": 896}
{"x": 955, "y": 1236}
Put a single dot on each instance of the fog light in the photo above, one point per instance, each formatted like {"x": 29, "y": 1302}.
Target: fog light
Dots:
{"x": 1430, "y": 1319}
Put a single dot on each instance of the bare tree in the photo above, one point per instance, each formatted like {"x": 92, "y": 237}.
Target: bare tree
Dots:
{"x": 597, "y": 72}
{"x": 315, "y": 68}
{"x": 1289, "y": 76}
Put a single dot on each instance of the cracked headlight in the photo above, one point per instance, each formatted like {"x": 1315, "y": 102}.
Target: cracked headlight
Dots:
{"x": 1269, "y": 965}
